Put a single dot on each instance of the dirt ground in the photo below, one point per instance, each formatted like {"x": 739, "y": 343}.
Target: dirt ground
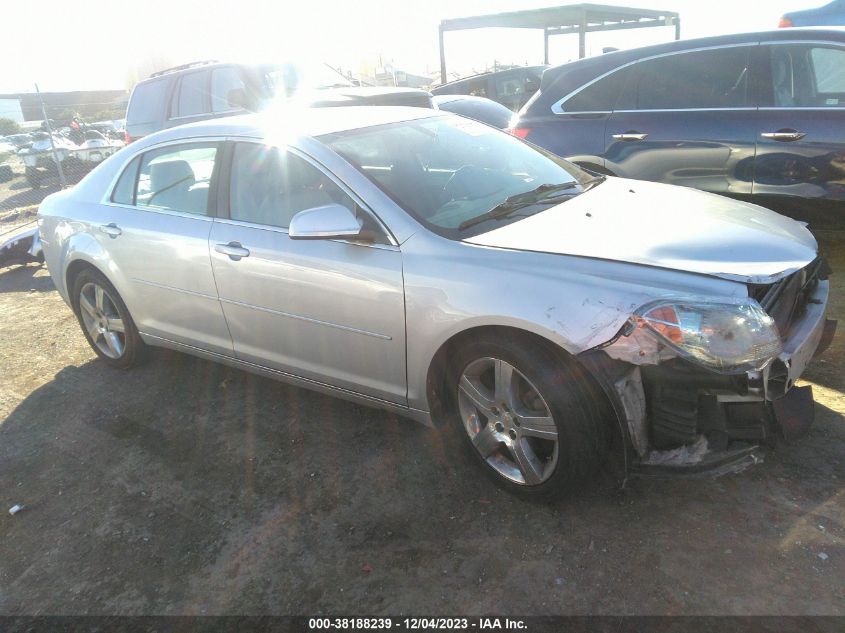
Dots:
{"x": 184, "y": 487}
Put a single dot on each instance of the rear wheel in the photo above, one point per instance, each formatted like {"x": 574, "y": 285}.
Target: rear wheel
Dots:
{"x": 532, "y": 417}
{"x": 105, "y": 320}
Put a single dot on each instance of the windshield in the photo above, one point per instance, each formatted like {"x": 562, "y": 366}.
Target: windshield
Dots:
{"x": 456, "y": 176}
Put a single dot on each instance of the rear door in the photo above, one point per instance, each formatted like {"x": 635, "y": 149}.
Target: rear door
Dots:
{"x": 155, "y": 229}
{"x": 686, "y": 119}
{"x": 332, "y": 311}
{"x": 190, "y": 98}
{"x": 229, "y": 94}
{"x": 800, "y": 165}
{"x": 575, "y": 127}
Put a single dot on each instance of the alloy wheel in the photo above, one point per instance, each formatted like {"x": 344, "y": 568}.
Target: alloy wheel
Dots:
{"x": 508, "y": 421}
{"x": 102, "y": 320}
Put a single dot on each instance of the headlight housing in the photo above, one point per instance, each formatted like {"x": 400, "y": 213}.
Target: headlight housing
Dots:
{"x": 728, "y": 336}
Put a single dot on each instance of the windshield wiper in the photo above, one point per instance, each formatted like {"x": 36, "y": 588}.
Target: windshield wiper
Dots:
{"x": 538, "y": 192}
{"x": 544, "y": 194}
{"x": 592, "y": 182}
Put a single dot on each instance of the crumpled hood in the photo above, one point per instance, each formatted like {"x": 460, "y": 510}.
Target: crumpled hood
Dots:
{"x": 667, "y": 226}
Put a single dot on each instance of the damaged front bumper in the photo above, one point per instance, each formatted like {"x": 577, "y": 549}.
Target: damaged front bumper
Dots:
{"x": 679, "y": 418}
{"x": 21, "y": 247}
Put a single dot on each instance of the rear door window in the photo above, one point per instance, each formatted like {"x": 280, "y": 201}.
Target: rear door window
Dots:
{"x": 477, "y": 87}
{"x": 228, "y": 91}
{"x": 715, "y": 78}
{"x": 190, "y": 97}
{"x": 177, "y": 177}
{"x": 510, "y": 87}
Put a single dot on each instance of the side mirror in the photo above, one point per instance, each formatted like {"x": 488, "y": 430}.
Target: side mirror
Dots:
{"x": 331, "y": 221}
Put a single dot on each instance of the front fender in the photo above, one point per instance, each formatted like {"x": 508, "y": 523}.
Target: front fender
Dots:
{"x": 576, "y": 303}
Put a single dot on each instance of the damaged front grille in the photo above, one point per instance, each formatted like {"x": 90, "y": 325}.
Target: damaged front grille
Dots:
{"x": 786, "y": 300}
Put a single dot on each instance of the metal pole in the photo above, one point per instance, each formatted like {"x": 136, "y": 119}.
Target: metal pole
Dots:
{"x": 678, "y": 28}
{"x": 582, "y": 36}
{"x": 52, "y": 145}
{"x": 545, "y": 46}
{"x": 442, "y": 57}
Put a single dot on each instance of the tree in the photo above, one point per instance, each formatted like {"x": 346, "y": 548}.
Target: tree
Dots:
{"x": 7, "y": 126}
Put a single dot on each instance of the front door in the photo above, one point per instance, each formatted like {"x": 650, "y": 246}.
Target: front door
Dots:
{"x": 326, "y": 310}
{"x": 800, "y": 165}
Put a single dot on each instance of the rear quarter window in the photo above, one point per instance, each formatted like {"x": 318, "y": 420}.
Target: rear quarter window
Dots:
{"x": 124, "y": 190}
{"x": 147, "y": 102}
{"x": 600, "y": 96}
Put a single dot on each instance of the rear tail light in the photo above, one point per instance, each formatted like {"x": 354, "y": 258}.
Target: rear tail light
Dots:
{"x": 785, "y": 23}
{"x": 518, "y": 132}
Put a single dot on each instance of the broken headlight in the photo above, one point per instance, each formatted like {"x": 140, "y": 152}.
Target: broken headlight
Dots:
{"x": 728, "y": 336}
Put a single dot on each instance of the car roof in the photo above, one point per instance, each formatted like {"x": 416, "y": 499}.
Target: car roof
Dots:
{"x": 169, "y": 73}
{"x": 588, "y": 67}
{"x": 444, "y": 99}
{"x": 493, "y": 73}
{"x": 797, "y": 33}
{"x": 293, "y": 122}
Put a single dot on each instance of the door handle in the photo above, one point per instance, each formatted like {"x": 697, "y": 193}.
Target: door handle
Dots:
{"x": 785, "y": 135}
{"x": 630, "y": 136}
{"x": 112, "y": 230}
{"x": 233, "y": 249}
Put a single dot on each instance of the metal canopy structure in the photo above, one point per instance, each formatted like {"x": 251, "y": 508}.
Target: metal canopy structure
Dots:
{"x": 567, "y": 19}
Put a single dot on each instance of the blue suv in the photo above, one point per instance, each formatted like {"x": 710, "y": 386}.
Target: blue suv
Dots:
{"x": 831, "y": 14}
{"x": 759, "y": 117}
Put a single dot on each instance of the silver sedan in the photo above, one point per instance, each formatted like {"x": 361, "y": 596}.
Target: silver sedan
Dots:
{"x": 439, "y": 268}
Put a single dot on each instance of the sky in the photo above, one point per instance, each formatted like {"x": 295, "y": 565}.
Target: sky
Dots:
{"x": 107, "y": 44}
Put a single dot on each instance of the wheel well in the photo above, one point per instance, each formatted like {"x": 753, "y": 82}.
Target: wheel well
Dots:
{"x": 73, "y": 270}
{"x": 437, "y": 390}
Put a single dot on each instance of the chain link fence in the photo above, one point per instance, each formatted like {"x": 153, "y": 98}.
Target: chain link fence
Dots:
{"x": 37, "y": 162}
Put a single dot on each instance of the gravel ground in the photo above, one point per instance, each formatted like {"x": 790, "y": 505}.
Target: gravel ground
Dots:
{"x": 184, "y": 487}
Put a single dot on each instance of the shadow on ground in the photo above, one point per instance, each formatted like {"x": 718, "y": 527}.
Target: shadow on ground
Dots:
{"x": 25, "y": 278}
{"x": 186, "y": 487}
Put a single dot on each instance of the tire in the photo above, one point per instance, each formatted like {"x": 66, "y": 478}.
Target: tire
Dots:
{"x": 102, "y": 317}
{"x": 554, "y": 428}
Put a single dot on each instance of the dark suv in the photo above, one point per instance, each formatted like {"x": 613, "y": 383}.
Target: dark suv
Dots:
{"x": 512, "y": 87}
{"x": 206, "y": 90}
{"x": 755, "y": 116}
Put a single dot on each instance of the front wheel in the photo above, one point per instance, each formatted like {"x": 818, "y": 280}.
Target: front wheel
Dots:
{"x": 105, "y": 320}
{"x": 532, "y": 417}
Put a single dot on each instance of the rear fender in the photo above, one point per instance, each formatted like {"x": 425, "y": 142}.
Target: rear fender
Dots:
{"x": 83, "y": 247}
